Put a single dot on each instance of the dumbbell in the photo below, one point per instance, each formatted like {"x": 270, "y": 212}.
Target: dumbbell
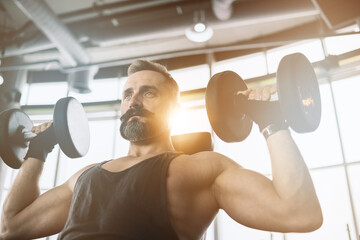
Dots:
{"x": 70, "y": 126}
{"x": 298, "y": 95}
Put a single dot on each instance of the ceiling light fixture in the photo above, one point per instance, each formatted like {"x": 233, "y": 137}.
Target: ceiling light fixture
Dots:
{"x": 199, "y": 31}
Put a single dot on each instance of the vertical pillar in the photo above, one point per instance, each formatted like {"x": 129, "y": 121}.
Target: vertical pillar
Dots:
{"x": 11, "y": 88}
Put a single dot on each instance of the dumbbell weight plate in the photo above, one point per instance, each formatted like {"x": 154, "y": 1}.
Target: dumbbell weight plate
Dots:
{"x": 71, "y": 127}
{"x": 12, "y": 147}
{"x": 225, "y": 118}
{"x": 299, "y": 93}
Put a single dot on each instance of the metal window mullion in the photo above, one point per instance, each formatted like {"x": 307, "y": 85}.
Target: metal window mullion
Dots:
{"x": 344, "y": 159}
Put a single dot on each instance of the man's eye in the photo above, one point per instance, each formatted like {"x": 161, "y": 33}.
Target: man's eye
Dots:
{"x": 127, "y": 97}
{"x": 149, "y": 94}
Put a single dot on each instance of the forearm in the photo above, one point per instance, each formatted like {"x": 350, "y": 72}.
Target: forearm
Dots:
{"x": 24, "y": 190}
{"x": 291, "y": 177}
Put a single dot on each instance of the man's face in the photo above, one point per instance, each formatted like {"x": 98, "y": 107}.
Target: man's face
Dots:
{"x": 145, "y": 106}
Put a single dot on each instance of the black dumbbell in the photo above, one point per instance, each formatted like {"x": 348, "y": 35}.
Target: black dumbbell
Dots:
{"x": 298, "y": 95}
{"x": 70, "y": 126}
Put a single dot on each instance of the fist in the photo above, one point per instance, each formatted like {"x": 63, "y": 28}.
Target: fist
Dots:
{"x": 262, "y": 94}
{"x": 42, "y": 127}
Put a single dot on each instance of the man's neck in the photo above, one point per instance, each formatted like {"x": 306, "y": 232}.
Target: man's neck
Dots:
{"x": 151, "y": 146}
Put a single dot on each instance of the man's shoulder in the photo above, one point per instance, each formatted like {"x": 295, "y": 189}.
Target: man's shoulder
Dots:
{"x": 206, "y": 155}
{"x": 205, "y": 160}
{"x": 199, "y": 170}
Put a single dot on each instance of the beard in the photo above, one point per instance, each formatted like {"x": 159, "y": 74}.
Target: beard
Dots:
{"x": 135, "y": 130}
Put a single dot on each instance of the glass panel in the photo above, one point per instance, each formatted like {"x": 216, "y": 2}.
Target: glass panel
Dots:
{"x": 312, "y": 49}
{"x": 40, "y": 118}
{"x": 341, "y": 44}
{"x": 48, "y": 175}
{"x": 53, "y": 237}
{"x": 49, "y": 93}
{"x": 347, "y": 105}
{"x": 4, "y": 193}
{"x": 8, "y": 172}
{"x": 210, "y": 232}
{"x": 330, "y": 185}
{"x": 101, "y": 149}
{"x": 102, "y": 114}
{"x": 24, "y": 94}
{"x": 10, "y": 176}
{"x": 322, "y": 147}
{"x": 354, "y": 178}
{"x": 191, "y": 78}
{"x": 249, "y": 66}
{"x": 101, "y": 90}
{"x": 121, "y": 86}
{"x": 231, "y": 230}
{"x": 251, "y": 153}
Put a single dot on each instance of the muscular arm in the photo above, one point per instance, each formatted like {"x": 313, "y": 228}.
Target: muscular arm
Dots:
{"x": 288, "y": 203}
{"x": 27, "y": 214}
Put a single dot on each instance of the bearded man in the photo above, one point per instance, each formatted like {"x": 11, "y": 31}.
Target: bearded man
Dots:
{"x": 155, "y": 192}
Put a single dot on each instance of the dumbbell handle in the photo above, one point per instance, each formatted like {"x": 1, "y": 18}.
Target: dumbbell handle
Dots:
{"x": 243, "y": 100}
{"x": 273, "y": 97}
{"x": 306, "y": 101}
{"x": 28, "y": 135}
{"x": 258, "y": 110}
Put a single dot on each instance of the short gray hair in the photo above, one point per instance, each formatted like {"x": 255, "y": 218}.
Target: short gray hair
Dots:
{"x": 142, "y": 64}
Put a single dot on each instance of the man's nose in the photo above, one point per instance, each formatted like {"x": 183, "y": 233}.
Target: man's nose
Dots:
{"x": 135, "y": 101}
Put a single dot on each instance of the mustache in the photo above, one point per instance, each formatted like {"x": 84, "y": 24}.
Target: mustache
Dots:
{"x": 135, "y": 112}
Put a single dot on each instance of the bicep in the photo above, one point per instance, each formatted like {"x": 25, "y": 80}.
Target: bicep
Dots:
{"x": 250, "y": 198}
{"x": 45, "y": 216}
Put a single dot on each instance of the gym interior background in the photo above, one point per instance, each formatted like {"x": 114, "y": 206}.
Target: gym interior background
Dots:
{"x": 51, "y": 49}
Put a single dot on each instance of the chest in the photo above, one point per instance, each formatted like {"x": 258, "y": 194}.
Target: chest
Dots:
{"x": 180, "y": 191}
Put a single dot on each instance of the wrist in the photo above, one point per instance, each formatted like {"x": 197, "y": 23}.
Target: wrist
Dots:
{"x": 272, "y": 129}
{"x": 41, "y": 145}
{"x": 37, "y": 154}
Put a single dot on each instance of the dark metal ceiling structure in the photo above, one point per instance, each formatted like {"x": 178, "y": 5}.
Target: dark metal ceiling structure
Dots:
{"x": 76, "y": 38}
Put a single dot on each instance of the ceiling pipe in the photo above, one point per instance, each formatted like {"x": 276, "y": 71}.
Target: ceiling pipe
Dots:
{"x": 111, "y": 9}
{"x": 222, "y": 9}
{"x": 254, "y": 12}
{"x": 46, "y": 20}
{"x": 175, "y": 24}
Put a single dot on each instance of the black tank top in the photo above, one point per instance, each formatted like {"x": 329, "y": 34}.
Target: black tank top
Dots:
{"x": 130, "y": 204}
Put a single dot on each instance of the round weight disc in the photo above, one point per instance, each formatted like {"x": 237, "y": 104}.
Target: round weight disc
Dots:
{"x": 71, "y": 127}
{"x": 13, "y": 147}
{"x": 225, "y": 117}
{"x": 299, "y": 93}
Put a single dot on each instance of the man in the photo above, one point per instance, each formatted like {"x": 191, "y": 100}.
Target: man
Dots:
{"x": 155, "y": 192}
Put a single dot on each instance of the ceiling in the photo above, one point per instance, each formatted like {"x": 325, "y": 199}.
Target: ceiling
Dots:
{"x": 71, "y": 35}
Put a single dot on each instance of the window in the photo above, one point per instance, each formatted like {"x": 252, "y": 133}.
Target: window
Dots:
{"x": 322, "y": 147}
{"x": 347, "y": 105}
{"x": 354, "y": 178}
{"x": 249, "y": 66}
{"x": 331, "y": 188}
{"x": 341, "y": 44}
{"x": 312, "y": 49}
{"x": 191, "y": 78}
{"x": 101, "y": 90}
{"x": 251, "y": 153}
{"x": 102, "y": 135}
{"x": 46, "y": 93}
{"x": 322, "y": 150}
